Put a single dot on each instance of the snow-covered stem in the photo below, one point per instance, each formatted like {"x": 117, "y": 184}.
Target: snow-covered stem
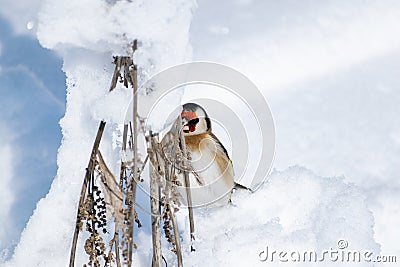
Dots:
{"x": 89, "y": 172}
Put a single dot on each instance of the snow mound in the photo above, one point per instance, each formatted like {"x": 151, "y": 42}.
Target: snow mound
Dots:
{"x": 103, "y": 26}
{"x": 294, "y": 210}
{"x": 95, "y": 31}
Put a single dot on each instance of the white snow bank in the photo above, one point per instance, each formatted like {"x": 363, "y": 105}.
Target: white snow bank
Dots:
{"x": 348, "y": 121}
{"x": 329, "y": 70}
{"x": 108, "y": 28}
{"x": 294, "y": 210}
{"x": 104, "y": 26}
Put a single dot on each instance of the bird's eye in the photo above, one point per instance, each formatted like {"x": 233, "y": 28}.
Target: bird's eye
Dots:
{"x": 194, "y": 121}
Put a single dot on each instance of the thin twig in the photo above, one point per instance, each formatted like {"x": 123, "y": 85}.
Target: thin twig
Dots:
{"x": 168, "y": 188}
{"x": 117, "y": 70}
{"x": 116, "y": 240}
{"x": 89, "y": 172}
{"x": 187, "y": 182}
{"x": 143, "y": 166}
{"x": 154, "y": 205}
{"x": 199, "y": 180}
{"x": 134, "y": 82}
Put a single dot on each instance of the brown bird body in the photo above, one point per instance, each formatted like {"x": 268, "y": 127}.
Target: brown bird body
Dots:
{"x": 212, "y": 180}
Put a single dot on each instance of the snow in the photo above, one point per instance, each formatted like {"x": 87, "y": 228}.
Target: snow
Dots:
{"x": 108, "y": 26}
{"x": 330, "y": 73}
{"x": 280, "y": 43}
{"x": 366, "y": 155}
{"x": 295, "y": 210}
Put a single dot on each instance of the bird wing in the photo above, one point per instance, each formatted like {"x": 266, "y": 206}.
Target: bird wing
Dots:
{"x": 220, "y": 147}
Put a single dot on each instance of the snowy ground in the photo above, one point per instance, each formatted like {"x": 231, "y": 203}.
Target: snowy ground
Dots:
{"x": 330, "y": 73}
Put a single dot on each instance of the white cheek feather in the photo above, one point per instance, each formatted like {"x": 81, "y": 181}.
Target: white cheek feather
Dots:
{"x": 201, "y": 127}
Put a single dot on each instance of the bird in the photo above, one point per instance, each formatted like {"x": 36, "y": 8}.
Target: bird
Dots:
{"x": 212, "y": 177}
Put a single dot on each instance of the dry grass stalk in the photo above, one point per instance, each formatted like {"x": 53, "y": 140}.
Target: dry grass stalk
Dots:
{"x": 88, "y": 176}
{"x": 154, "y": 200}
{"x": 129, "y": 78}
{"x": 119, "y": 196}
{"x": 187, "y": 183}
{"x": 171, "y": 205}
{"x": 131, "y": 75}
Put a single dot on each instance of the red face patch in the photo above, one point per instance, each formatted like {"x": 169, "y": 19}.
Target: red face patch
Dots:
{"x": 189, "y": 115}
{"x": 192, "y": 119}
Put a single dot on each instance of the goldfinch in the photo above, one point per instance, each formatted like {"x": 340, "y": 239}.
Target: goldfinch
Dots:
{"x": 212, "y": 175}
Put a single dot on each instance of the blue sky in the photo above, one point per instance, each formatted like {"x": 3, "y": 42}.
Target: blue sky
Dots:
{"x": 32, "y": 89}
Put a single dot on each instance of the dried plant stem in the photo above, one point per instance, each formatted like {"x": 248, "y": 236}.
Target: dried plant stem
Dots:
{"x": 134, "y": 82}
{"x": 168, "y": 189}
{"x": 114, "y": 80}
{"x": 155, "y": 220}
{"x": 89, "y": 171}
{"x": 187, "y": 184}
{"x": 131, "y": 222}
{"x": 120, "y": 198}
{"x": 177, "y": 239}
{"x": 154, "y": 204}
{"x": 125, "y": 137}
{"x": 116, "y": 241}
{"x": 122, "y": 172}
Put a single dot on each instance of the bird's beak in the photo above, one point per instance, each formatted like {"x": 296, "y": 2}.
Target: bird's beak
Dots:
{"x": 186, "y": 128}
{"x": 185, "y": 124}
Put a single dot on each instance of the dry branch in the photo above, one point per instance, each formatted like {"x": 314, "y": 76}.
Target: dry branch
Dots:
{"x": 187, "y": 183}
{"x": 154, "y": 203}
{"x": 89, "y": 172}
{"x": 132, "y": 75}
{"x": 120, "y": 196}
{"x": 169, "y": 188}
